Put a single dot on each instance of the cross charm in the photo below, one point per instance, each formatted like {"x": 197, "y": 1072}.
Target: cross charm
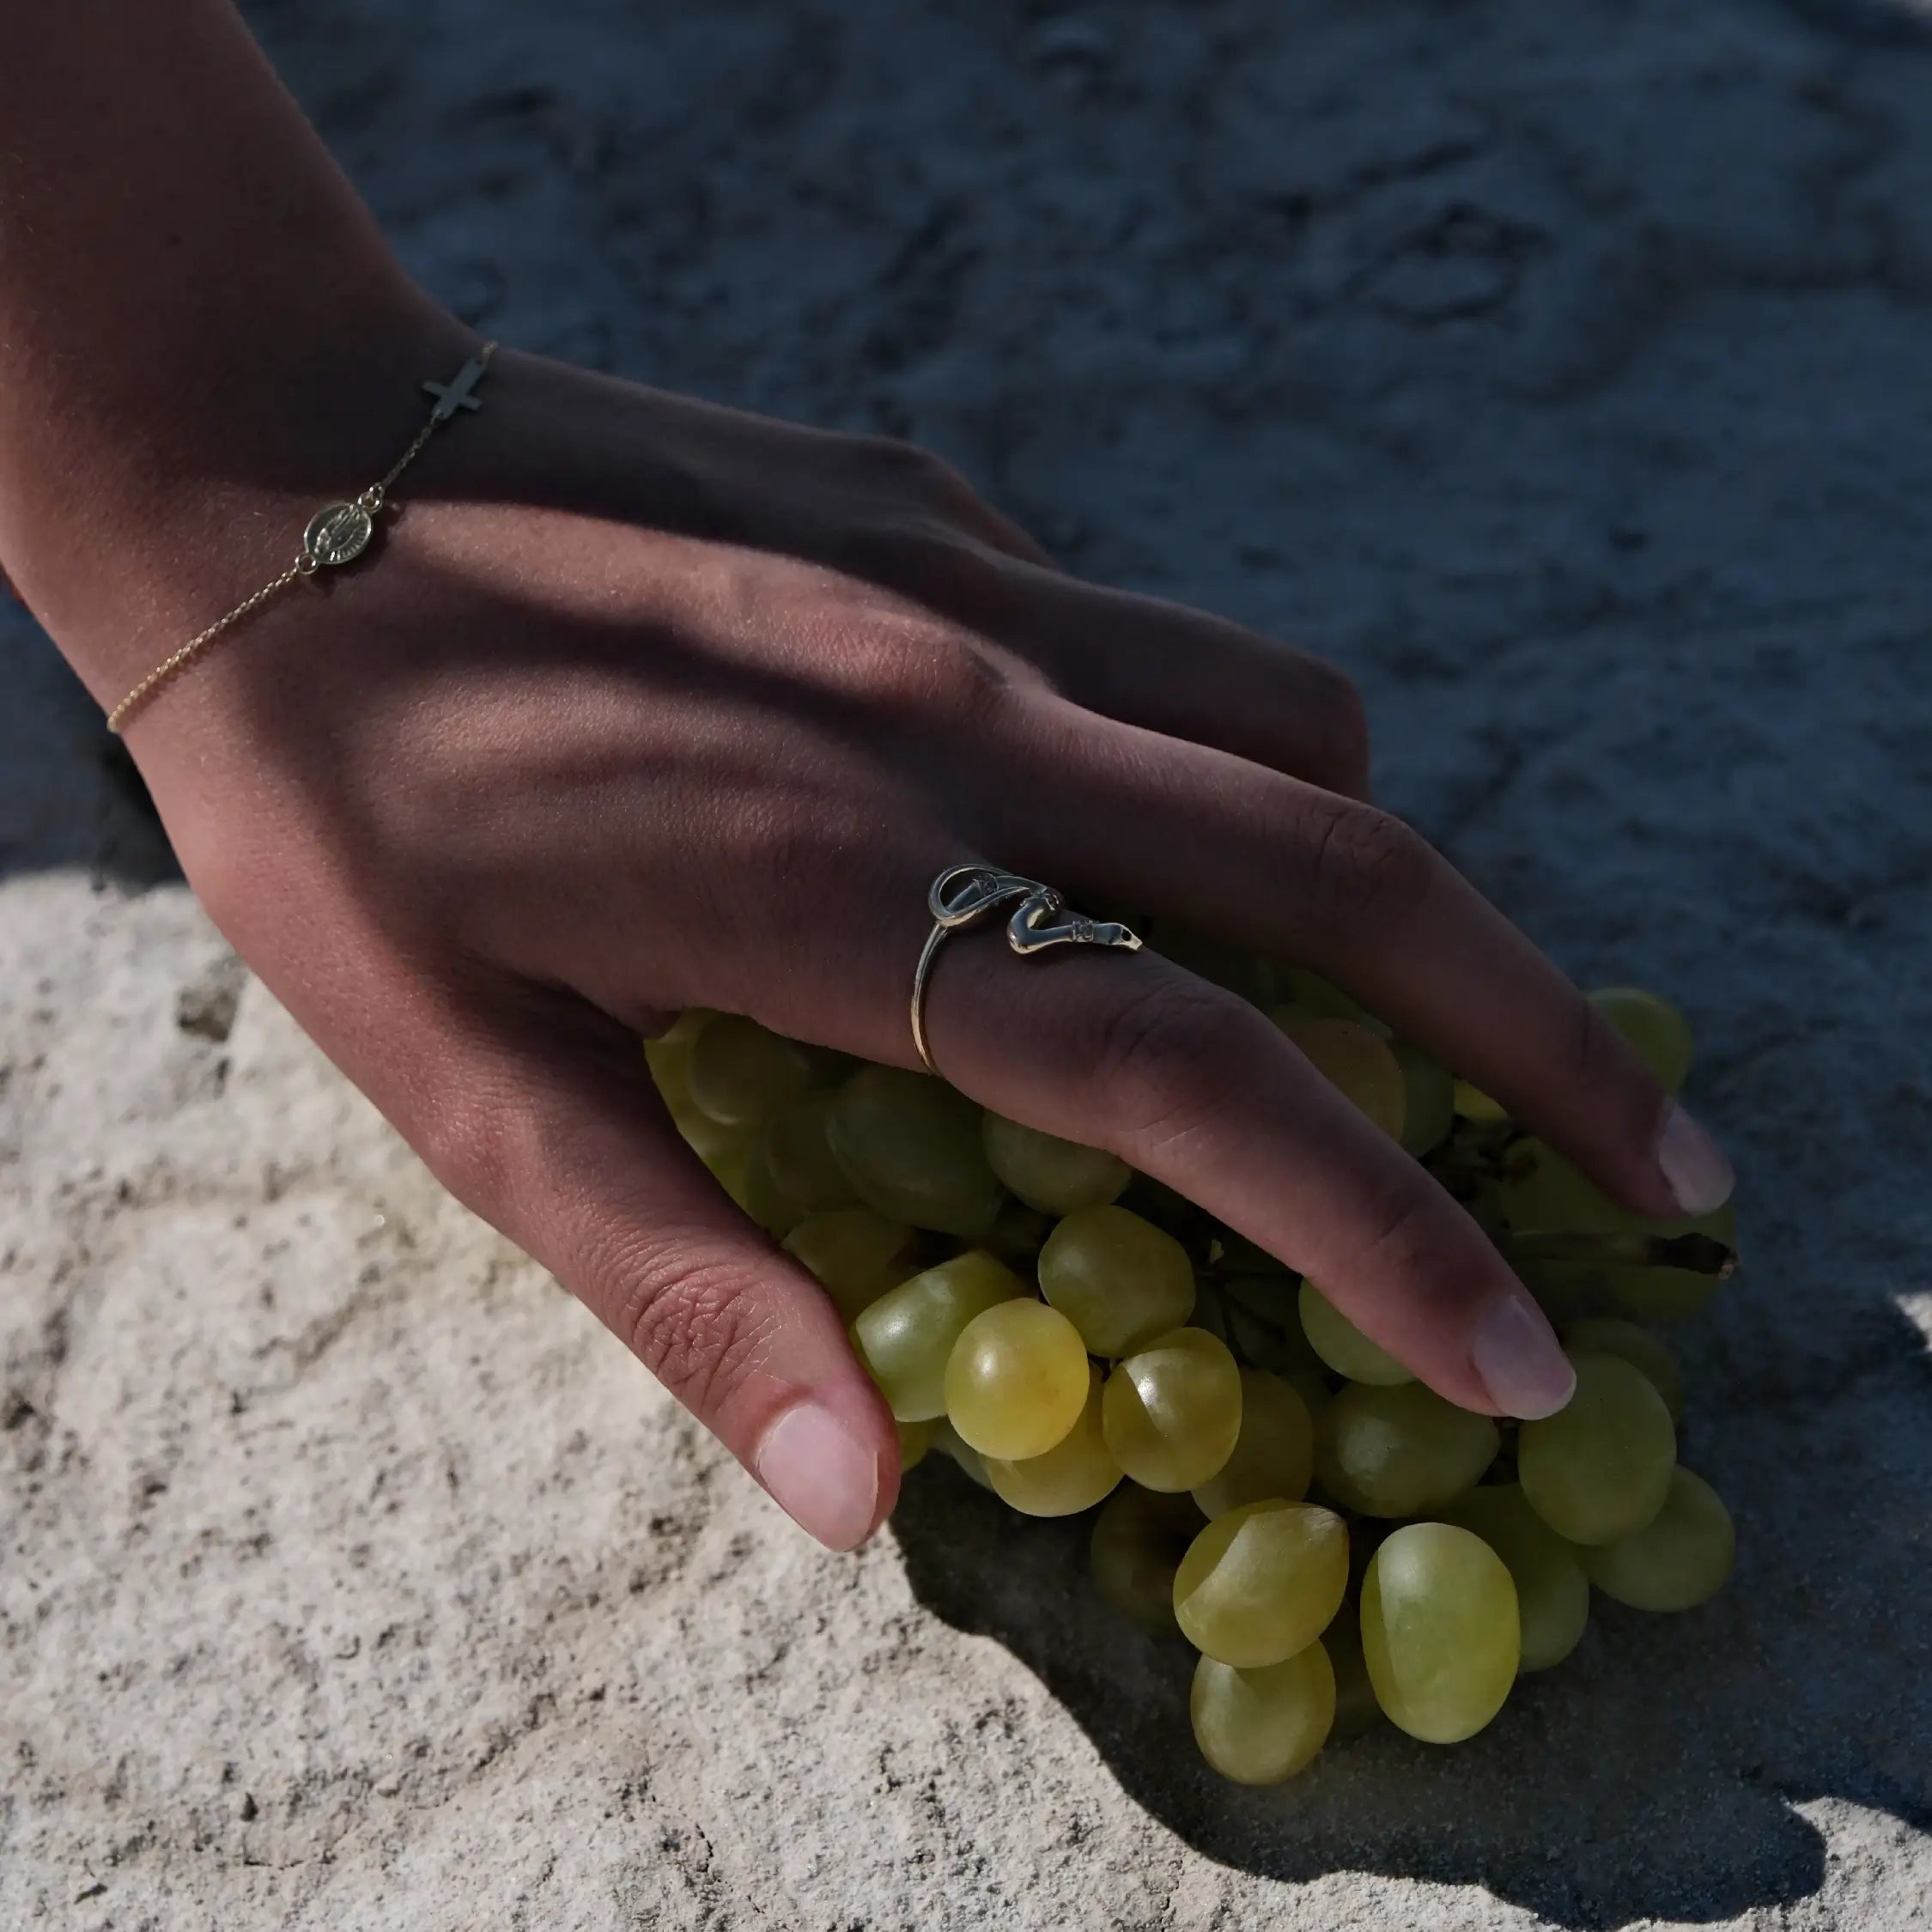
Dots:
{"x": 452, "y": 396}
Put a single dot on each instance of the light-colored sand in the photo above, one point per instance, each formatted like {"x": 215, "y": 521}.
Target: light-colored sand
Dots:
{"x": 1565, "y": 371}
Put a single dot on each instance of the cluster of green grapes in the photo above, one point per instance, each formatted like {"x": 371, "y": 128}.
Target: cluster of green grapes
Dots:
{"x": 1338, "y": 1542}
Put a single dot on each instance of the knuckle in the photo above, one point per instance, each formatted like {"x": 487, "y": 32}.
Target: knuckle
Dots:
{"x": 696, "y": 1321}
{"x": 1363, "y": 867}
{"x": 1162, "y": 1061}
{"x": 918, "y": 667}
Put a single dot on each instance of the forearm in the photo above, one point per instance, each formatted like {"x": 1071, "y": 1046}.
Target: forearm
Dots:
{"x": 199, "y": 319}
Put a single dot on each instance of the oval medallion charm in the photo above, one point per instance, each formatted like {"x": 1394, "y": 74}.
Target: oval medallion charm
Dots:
{"x": 338, "y": 534}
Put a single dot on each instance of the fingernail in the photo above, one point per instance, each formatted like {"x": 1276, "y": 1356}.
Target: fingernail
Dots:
{"x": 1526, "y": 1374}
{"x": 1693, "y": 1164}
{"x": 821, "y": 1475}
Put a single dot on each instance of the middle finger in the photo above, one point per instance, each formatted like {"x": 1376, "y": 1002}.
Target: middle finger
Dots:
{"x": 1260, "y": 859}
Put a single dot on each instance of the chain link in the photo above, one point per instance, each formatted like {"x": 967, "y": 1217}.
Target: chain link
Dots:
{"x": 314, "y": 556}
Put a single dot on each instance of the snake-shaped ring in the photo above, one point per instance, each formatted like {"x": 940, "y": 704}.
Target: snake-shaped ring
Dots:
{"x": 963, "y": 895}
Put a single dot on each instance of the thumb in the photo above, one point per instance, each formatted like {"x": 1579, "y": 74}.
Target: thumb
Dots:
{"x": 580, "y": 1164}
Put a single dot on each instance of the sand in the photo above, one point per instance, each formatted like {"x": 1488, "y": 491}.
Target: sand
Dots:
{"x": 1564, "y": 373}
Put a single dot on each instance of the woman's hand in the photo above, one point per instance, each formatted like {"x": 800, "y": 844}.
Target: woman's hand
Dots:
{"x": 646, "y": 705}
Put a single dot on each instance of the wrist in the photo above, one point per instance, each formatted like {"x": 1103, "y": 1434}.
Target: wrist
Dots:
{"x": 150, "y": 528}
{"x": 193, "y": 300}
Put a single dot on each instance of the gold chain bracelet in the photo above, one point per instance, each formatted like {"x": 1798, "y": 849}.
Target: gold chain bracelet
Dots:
{"x": 337, "y": 533}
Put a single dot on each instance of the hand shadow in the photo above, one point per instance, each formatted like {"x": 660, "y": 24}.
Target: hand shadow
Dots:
{"x": 1658, "y": 1773}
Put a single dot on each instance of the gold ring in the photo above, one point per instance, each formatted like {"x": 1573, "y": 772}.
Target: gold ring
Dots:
{"x": 963, "y": 895}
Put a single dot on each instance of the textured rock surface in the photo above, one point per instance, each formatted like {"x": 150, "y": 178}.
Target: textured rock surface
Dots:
{"x": 1563, "y": 371}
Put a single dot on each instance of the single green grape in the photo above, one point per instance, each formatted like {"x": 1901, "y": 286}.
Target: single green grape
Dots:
{"x": 1074, "y": 1475}
{"x": 911, "y": 1146}
{"x": 1400, "y": 1451}
{"x": 1356, "y": 1709}
{"x": 1119, "y": 1280}
{"x": 1680, "y": 1559}
{"x": 1552, "y": 1593}
{"x": 855, "y": 1254}
{"x": 1262, "y": 1581}
{"x": 1273, "y": 1453}
{"x": 1661, "y": 1035}
{"x": 906, "y": 1337}
{"x": 1260, "y": 1727}
{"x": 1138, "y": 1540}
{"x": 1439, "y": 1631}
{"x": 1607, "y": 1335}
{"x": 1343, "y": 1346}
{"x": 741, "y": 1073}
{"x": 797, "y": 1154}
{"x": 1171, "y": 1411}
{"x": 1016, "y": 1380}
{"x": 1599, "y": 1469}
{"x": 915, "y": 1438}
{"x": 1057, "y": 1176}
{"x": 1428, "y": 1099}
{"x": 1356, "y": 1059}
